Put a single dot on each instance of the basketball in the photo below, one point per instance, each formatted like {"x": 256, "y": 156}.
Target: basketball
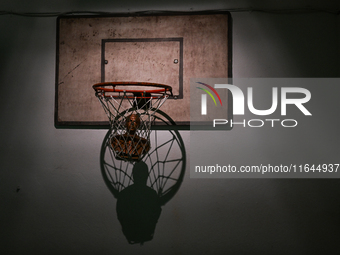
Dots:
{"x": 132, "y": 123}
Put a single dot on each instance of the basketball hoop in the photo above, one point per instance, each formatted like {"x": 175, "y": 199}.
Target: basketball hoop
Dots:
{"x": 130, "y": 107}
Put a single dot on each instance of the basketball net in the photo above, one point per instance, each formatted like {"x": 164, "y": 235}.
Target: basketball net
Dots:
{"x": 130, "y": 115}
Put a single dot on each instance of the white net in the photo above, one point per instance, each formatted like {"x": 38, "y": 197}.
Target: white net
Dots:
{"x": 130, "y": 116}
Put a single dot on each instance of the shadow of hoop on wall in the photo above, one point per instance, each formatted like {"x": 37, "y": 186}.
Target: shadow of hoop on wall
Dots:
{"x": 140, "y": 196}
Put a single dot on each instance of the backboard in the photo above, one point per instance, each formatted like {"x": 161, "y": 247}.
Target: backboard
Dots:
{"x": 162, "y": 48}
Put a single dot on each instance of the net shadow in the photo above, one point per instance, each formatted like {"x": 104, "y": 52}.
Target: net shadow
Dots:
{"x": 166, "y": 161}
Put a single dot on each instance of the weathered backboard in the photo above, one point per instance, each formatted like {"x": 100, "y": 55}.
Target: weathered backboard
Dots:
{"x": 160, "y": 48}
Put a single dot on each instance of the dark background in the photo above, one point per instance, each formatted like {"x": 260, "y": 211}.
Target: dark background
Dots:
{"x": 52, "y": 196}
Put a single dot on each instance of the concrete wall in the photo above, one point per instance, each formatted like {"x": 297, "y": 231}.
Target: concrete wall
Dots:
{"x": 52, "y": 196}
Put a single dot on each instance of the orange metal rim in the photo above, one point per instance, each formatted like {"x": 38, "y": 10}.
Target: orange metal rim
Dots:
{"x": 155, "y": 88}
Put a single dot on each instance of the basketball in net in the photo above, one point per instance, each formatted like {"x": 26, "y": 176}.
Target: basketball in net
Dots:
{"x": 130, "y": 107}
